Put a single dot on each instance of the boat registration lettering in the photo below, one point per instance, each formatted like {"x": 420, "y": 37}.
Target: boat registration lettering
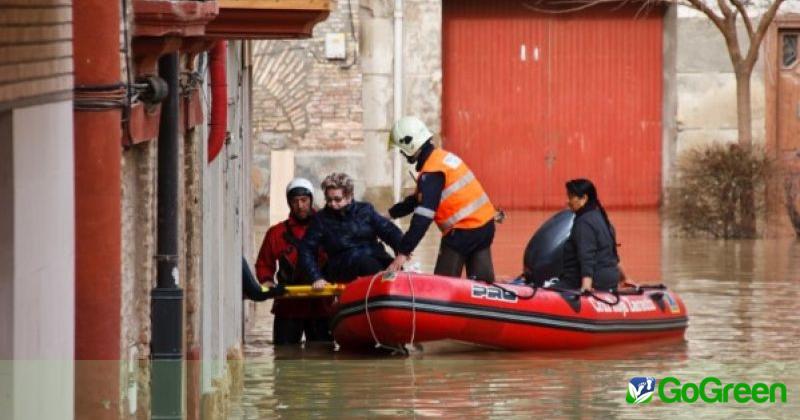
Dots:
{"x": 624, "y": 306}
{"x": 493, "y": 293}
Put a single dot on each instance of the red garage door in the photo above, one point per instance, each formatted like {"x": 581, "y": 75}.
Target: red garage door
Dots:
{"x": 531, "y": 100}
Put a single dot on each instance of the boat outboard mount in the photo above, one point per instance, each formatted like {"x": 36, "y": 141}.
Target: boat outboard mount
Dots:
{"x": 544, "y": 254}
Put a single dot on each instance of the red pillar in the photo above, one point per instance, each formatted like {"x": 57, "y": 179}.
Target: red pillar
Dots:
{"x": 96, "y": 45}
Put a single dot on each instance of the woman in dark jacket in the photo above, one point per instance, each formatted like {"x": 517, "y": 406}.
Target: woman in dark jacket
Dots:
{"x": 590, "y": 254}
{"x": 348, "y": 232}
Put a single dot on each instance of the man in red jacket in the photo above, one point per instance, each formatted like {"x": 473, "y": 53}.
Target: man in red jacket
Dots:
{"x": 277, "y": 263}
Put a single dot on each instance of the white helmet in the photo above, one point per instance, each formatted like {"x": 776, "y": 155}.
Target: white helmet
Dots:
{"x": 409, "y": 134}
{"x": 300, "y": 186}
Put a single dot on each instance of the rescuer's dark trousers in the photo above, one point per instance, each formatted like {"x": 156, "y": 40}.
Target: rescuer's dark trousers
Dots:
{"x": 290, "y": 330}
{"x": 479, "y": 263}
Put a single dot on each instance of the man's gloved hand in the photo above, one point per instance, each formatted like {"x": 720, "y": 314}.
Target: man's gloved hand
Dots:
{"x": 403, "y": 208}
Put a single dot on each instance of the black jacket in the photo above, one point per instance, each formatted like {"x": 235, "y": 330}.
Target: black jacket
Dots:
{"x": 347, "y": 236}
{"x": 591, "y": 251}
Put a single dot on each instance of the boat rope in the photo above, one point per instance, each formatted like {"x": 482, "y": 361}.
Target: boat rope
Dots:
{"x": 589, "y": 293}
{"x": 598, "y": 298}
{"x": 413, "y": 309}
{"x": 378, "y": 344}
{"x": 650, "y": 286}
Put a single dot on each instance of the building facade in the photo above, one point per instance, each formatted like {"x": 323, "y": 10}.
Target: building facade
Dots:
{"x": 308, "y": 98}
{"x": 125, "y": 155}
{"x": 37, "y": 210}
{"x": 610, "y": 93}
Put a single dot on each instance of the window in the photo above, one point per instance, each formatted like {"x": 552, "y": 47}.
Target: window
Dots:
{"x": 789, "y": 49}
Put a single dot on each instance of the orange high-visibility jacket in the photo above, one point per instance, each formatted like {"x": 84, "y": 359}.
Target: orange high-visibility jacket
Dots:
{"x": 464, "y": 203}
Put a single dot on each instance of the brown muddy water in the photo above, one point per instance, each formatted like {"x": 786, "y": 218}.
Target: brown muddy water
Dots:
{"x": 742, "y": 298}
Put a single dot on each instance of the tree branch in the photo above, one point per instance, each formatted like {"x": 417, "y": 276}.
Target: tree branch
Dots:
{"x": 748, "y": 23}
{"x": 763, "y": 25}
{"x": 726, "y": 11}
{"x": 582, "y": 5}
{"x": 726, "y": 25}
{"x": 645, "y": 7}
{"x": 699, "y": 5}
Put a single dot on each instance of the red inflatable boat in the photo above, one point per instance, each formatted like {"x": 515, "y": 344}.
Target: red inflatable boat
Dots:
{"x": 397, "y": 308}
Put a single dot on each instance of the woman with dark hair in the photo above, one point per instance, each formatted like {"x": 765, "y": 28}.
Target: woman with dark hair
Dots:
{"x": 590, "y": 254}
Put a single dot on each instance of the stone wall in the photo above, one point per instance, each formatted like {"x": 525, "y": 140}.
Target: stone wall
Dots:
{"x": 339, "y": 119}
{"x": 706, "y": 87}
{"x": 303, "y": 101}
{"x": 193, "y": 226}
{"x": 139, "y": 190}
{"x": 138, "y": 271}
{"x": 377, "y": 65}
{"x": 191, "y": 250}
{"x": 210, "y": 228}
{"x": 422, "y": 55}
{"x": 421, "y": 80}
{"x": 706, "y": 84}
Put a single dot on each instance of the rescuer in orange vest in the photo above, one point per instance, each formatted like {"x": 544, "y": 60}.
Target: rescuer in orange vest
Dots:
{"x": 449, "y": 194}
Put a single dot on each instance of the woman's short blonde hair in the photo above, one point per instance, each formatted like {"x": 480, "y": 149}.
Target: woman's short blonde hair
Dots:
{"x": 338, "y": 180}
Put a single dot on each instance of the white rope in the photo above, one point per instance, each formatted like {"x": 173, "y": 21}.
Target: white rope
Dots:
{"x": 366, "y": 310}
{"x": 378, "y": 343}
{"x": 413, "y": 309}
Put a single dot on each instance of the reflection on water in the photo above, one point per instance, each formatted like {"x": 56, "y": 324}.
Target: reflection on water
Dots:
{"x": 744, "y": 326}
{"x": 489, "y": 386}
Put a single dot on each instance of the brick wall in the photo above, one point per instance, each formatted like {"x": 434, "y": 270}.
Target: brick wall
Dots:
{"x": 302, "y": 100}
{"x": 35, "y": 51}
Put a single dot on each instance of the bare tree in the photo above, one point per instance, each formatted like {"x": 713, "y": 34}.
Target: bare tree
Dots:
{"x": 726, "y": 20}
{"x": 726, "y": 16}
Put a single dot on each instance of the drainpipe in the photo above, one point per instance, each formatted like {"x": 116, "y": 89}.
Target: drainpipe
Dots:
{"x": 398, "y": 92}
{"x": 167, "y": 296}
{"x": 218, "y": 122}
{"x": 98, "y": 213}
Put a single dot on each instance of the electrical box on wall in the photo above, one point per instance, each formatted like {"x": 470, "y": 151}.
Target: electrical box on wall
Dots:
{"x": 335, "y": 46}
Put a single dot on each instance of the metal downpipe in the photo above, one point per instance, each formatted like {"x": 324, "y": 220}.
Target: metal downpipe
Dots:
{"x": 397, "y": 106}
{"x": 166, "y": 382}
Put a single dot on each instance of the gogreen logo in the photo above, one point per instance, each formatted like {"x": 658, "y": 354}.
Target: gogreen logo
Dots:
{"x": 710, "y": 390}
{"x": 641, "y": 390}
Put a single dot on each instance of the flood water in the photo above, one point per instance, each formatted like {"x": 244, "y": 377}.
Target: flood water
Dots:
{"x": 742, "y": 299}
